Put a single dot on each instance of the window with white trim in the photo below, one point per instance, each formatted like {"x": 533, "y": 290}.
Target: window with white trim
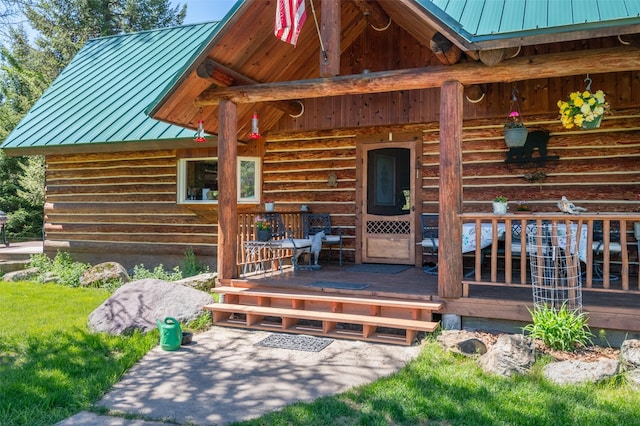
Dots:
{"x": 198, "y": 180}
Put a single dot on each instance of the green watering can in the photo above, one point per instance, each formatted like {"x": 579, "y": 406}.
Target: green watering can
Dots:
{"x": 170, "y": 334}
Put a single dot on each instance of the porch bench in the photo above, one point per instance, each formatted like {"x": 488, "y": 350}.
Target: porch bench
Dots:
{"x": 255, "y": 319}
{"x": 419, "y": 309}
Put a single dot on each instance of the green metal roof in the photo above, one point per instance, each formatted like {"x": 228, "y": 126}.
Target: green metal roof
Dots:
{"x": 485, "y": 20}
{"x": 101, "y": 95}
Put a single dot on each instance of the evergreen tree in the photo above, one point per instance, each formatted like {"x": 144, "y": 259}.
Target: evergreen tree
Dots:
{"x": 26, "y": 71}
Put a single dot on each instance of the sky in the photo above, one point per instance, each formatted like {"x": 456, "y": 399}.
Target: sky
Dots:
{"x": 205, "y": 10}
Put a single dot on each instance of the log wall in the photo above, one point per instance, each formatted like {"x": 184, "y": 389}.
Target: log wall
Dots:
{"x": 122, "y": 207}
{"x": 101, "y": 204}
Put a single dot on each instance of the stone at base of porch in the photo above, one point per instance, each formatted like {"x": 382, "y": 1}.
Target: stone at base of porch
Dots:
{"x": 510, "y": 316}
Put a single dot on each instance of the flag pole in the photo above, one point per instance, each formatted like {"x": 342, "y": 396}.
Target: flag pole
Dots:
{"x": 315, "y": 19}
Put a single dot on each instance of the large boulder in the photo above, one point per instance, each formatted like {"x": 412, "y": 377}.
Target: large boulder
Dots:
{"x": 203, "y": 282}
{"x": 630, "y": 354}
{"x": 104, "y": 273}
{"x": 511, "y": 354}
{"x": 22, "y": 275}
{"x": 573, "y": 371}
{"x": 138, "y": 304}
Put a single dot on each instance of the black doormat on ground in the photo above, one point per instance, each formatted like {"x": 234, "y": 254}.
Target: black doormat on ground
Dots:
{"x": 295, "y": 342}
{"x": 378, "y": 268}
{"x": 338, "y": 285}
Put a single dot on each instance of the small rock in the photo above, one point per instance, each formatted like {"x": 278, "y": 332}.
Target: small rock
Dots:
{"x": 22, "y": 275}
{"x": 472, "y": 347}
{"x": 633, "y": 378}
{"x": 104, "y": 272}
{"x": 50, "y": 277}
{"x": 630, "y": 354}
{"x": 512, "y": 353}
{"x": 449, "y": 339}
{"x": 573, "y": 371}
{"x": 204, "y": 282}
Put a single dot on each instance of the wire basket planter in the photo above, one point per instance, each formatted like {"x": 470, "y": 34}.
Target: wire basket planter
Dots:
{"x": 555, "y": 266}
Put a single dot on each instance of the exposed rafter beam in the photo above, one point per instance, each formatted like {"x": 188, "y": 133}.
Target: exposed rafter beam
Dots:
{"x": 378, "y": 18}
{"x": 626, "y": 58}
{"x": 223, "y": 76}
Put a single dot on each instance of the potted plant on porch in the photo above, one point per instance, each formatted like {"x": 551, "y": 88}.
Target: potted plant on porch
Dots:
{"x": 263, "y": 229}
{"x": 500, "y": 204}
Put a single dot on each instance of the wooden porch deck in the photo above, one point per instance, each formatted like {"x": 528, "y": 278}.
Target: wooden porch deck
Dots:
{"x": 607, "y": 310}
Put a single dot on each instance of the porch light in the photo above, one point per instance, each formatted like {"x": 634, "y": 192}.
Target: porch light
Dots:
{"x": 200, "y": 133}
{"x": 255, "y": 133}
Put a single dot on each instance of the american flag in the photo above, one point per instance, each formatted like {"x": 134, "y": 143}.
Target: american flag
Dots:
{"x": 290, "y": 16}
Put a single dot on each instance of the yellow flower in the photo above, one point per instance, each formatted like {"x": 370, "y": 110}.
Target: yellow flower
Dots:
{"x": 578, "y": 102}
{"x": 586, "y": 94}
{"x": 599, "y": 95}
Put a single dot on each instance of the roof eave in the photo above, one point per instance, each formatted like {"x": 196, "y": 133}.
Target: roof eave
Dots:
{"x": 554, "y": 34}
{"x": 117, "y": 146}
{"x": 199, "y": 55}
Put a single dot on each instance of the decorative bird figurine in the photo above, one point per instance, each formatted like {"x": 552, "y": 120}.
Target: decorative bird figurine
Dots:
{"x": 567, "y": 206}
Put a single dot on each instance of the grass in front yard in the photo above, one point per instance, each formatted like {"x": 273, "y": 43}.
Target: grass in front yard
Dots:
{"x": 51, "y": 366}
{"x": 440, "y": 388}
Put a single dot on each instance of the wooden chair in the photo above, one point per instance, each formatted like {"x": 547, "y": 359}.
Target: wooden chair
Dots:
{"x": 430, "y": 241}
{"x": 283, "y": 238}
{"x": 312, "y": 223}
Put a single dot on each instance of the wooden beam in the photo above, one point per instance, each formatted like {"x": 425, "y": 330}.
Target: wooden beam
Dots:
{"x": 378, "y": 18}
{"x": 626, "y": 58}
{"x": 330, "y": 33}
{"x": 449, "y": 249}
{"x": 227, "y": 196}
{"x": 444, "y": 50}
{"x": 222, "y": 76}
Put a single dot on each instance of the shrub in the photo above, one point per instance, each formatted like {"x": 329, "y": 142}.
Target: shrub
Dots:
{"x": 63, "y": 267}
{"x": 564, "y": 329}
{"x": 191, "y": 266}
{"x": 159, "y": 273}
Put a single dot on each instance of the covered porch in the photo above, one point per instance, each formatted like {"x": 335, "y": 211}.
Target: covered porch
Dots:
{"x": 495, "y": 279}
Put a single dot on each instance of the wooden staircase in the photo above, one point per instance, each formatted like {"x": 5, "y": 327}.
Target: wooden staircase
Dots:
{"x": 371, "y": 318}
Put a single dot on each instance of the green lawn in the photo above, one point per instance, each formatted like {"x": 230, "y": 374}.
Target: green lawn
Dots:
{"x": 446, "y": 389}
{"x": 51, "y": 366}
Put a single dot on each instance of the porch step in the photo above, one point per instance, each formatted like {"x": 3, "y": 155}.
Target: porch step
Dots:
{"x": 257, "y": 317}
{"x": 330, "y": 309}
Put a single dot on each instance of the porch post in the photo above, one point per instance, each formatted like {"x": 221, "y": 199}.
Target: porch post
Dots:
{"x": 330, "y": 27}
{"x": 450, "y": 225}
{"x": 227, "y": 196}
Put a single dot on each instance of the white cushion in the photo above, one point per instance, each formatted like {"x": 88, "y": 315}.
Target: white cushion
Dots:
{"x": 331, "y": 239}
{"x": 289, "y": 244}
{"x": 429, "y": 243}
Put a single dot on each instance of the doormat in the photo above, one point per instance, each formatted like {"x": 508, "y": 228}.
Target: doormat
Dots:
{"x": 342, "y": 286}
{"x": 295, "y": 342}
{"x": 378, "y": 268}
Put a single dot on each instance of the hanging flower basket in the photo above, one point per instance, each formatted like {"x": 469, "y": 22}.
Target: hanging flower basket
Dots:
{"x": 515, "y": 132}
{"x": 515, "y": 136}
{"x": 591, "y": 124}
{"x": 583, "y": 109}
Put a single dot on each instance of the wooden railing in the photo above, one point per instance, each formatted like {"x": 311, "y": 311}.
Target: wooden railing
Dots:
{"x": 247, "y": 232}
{"x": 611, "y": 270}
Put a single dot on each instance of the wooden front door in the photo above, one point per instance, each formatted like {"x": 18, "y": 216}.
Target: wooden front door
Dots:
{"x": 388, "y": 222}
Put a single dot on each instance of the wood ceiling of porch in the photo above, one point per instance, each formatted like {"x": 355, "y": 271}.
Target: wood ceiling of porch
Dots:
{"x": 249, "y": 48}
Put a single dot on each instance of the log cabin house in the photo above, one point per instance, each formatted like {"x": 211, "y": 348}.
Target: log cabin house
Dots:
{"x": 418, "y": 90}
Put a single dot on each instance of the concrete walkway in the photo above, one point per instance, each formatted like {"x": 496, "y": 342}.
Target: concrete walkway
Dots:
{"x": 224, "y": 377}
